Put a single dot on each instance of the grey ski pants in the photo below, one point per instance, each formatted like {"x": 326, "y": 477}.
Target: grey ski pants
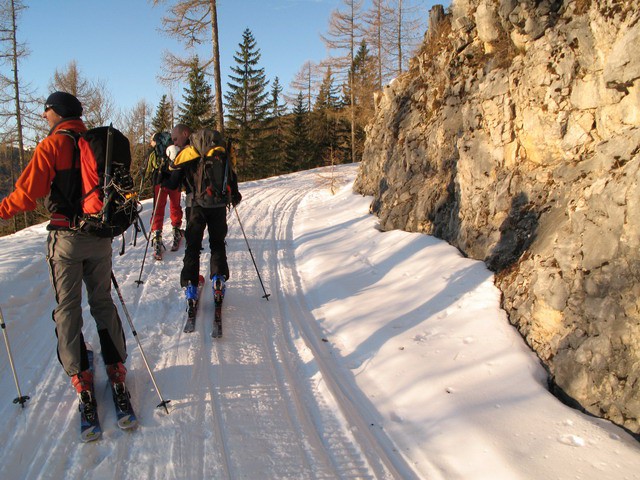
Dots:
{"x": 76, "y": 257}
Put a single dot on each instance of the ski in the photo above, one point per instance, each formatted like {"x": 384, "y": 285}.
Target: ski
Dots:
{"x": 122, "y": 402}
{"x": 177, "y": 240}
{"x": 192, "y": 309}
{"x": 90, "y": 429}
{"x": 218, "y": 296}
{"x": 217, "y": 322}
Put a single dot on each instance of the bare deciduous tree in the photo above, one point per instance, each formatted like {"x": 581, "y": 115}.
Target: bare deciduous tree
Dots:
{"x": 307, "y": 80}
{"x": 377, "y": 19}
{"x": 96, "y": 101}
{"x": 12, "y": 52}
{"x": 136, "y": 125}
{"x": 345, "y": 32}
{"x": 193, "y": 21}
{"x": 406, "y": 33}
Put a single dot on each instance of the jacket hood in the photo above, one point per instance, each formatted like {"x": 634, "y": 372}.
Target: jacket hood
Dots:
{"x": 205, "y": 139}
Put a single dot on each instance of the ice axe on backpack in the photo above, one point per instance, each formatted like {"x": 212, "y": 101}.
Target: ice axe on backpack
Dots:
{"x": 137, "y": 227}
{"x": 21, "y": 399}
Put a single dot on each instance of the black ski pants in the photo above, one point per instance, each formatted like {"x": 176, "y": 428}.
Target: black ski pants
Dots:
{"x": 215, "y": 220}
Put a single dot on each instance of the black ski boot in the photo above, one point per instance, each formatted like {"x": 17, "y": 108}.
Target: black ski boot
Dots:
{"x": 177, "y": 238}
{"x": 158, "y": 246}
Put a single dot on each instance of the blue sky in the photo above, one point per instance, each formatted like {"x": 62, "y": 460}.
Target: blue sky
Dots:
{"x": 120, "y": 42}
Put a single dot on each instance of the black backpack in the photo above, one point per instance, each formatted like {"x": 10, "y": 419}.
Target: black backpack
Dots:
{"x": 211, "y": 176}
{"x": 108, "y": 204}
{"x": 163, "y": 140}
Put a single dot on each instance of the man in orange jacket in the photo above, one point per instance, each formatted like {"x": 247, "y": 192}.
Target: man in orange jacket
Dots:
{"x": 73, "y": 255}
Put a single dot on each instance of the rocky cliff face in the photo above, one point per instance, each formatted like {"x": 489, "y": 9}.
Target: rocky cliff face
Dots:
{"x": 516, "y": 137}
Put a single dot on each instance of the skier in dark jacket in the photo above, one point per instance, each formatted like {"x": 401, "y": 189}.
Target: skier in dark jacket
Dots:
{"x": 205, "y": 208}
{"x": 157, "y": 172}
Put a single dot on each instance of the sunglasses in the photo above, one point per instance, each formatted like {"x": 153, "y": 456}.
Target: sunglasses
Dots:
{"x": 48, "y": 107}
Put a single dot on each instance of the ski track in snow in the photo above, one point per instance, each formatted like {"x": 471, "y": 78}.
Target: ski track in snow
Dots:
{"x": 265, "y": 401}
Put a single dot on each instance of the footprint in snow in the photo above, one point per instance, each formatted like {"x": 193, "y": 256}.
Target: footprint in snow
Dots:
{"x": 572, "y": 440}
{"x": 396, "y": 418}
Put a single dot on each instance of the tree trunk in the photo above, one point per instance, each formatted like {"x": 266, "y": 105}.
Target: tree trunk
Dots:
{"x": 16, "y": 85}
{"x": 399, "y": 37}
{"x": 216, "y": 67}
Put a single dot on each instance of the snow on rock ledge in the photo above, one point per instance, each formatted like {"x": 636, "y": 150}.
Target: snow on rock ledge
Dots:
{"x": 515, "y": 136}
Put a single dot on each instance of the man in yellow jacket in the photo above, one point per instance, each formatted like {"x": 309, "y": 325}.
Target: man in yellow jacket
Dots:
{"x": 205, "y": 206}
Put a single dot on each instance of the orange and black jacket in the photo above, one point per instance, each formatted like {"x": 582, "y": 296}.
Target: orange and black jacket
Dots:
{"x": 51, "y": 173}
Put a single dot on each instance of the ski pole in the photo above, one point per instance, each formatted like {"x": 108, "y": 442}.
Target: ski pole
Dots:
{"x": 163, "y": 403}
{"x": 141, "y": 182}
{"x": 266, "y": 295}
{"x": 146, "y": 248}
{"x": 21, "y": 399}
{"x": 143, "y": 175}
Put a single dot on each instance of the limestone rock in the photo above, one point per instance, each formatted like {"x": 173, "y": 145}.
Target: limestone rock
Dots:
{"x": 519, "y": 143}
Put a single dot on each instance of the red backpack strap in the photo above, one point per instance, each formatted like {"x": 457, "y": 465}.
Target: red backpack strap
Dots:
{"x": 84, "y": 159}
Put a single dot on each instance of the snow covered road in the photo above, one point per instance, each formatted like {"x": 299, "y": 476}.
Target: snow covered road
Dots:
{"x": 264, "y": 401}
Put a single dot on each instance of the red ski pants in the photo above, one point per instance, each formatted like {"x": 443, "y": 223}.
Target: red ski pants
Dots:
{"x": 175, "y": 211}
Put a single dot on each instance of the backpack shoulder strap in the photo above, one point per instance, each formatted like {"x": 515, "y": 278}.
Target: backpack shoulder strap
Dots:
{"x": 77, "y": 160}
{"x": 74, "y": 136}
{"x": 74, "y": 203}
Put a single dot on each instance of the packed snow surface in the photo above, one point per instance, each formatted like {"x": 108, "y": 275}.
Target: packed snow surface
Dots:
{"x": 376, "y": 355}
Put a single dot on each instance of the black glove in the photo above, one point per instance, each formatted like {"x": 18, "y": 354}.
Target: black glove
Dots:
{"x": 236, "y": 198}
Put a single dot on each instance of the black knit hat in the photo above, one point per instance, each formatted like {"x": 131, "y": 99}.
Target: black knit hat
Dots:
{"x": 64, "y": 104}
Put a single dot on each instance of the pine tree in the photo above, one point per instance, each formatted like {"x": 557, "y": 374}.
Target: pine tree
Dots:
{"x": 326, "y": 121}
{"x": 363, "y": 82}
{"x": 276, "y": 108}
{"x": 247, "y": 104}
{"x": 299, "y": 147}
{"x": 162, "y": 120}
{"x": 197, "y": 108}
{"x": 271, "y": 150}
